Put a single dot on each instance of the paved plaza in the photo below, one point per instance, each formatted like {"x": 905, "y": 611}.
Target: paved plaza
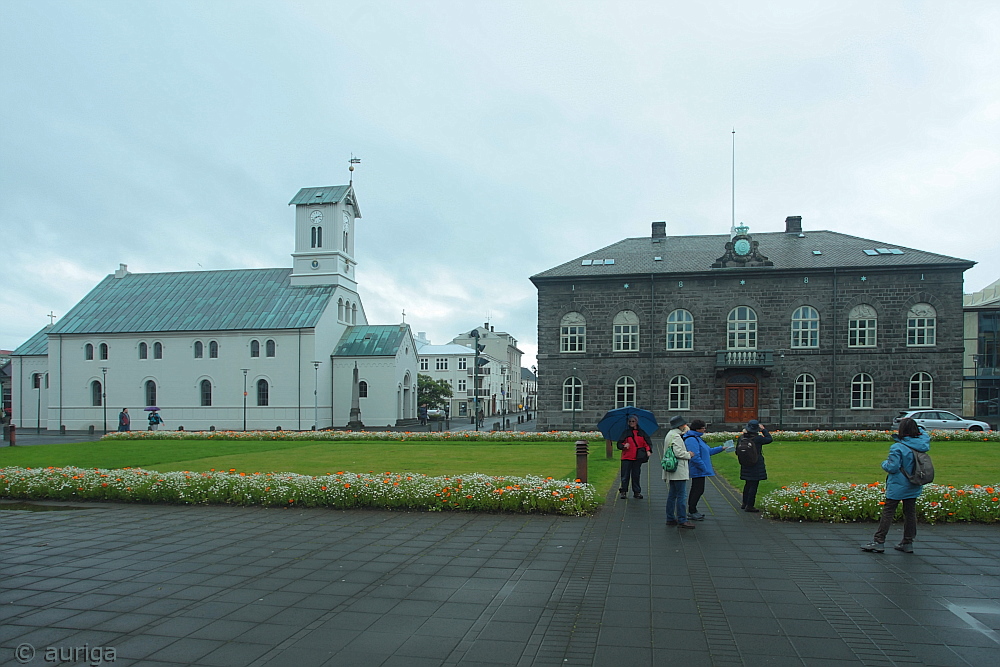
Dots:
{"x": 168, "y": 585}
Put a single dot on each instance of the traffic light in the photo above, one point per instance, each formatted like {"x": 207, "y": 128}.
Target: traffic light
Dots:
{"x": 480, "y": 349}
{"x": 481, "y": 362}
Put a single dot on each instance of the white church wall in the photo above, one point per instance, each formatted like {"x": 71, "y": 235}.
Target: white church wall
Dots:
{"x": 25, "y": 399}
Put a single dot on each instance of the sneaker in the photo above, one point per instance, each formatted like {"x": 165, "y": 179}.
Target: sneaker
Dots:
{"x": 697, "y": 516}
{"x": 905, "y": 547}
{"x": 671, "y": 523}
{"x": 686, "y": 524}
{"x": 874, "y": 547}
{"x": 623, "y": 495}
{"x": 637, "y": 496}
{"x": 751, "y": 509}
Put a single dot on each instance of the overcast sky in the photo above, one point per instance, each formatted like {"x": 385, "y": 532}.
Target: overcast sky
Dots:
{"x": 497, "y": 139}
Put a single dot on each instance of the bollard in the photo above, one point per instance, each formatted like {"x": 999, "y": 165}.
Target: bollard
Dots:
{"x": 608, "y": 452}
{"x": 6, "y": 432}
{"x": 581, "y": 460}
{"x": 13, "y": 435}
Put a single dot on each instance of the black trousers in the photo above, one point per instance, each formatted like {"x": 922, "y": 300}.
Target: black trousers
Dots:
{"x": 750, "y": 492}
{"x": 630, "y": 470}
{"x": 697, "y": 491}
{"x": 909, "y": 519}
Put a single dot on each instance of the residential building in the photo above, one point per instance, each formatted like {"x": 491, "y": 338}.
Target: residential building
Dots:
{"x": 454, "y": 364}
{"x": 981, "y": 367}
{"x": 502, "y": 347}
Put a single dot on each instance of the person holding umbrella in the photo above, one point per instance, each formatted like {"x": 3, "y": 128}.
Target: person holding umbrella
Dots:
{"x": 154, "y": 418}
{"x": 636, "y": 450}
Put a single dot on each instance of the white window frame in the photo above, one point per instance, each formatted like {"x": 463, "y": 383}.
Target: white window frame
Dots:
{"x": 741, "y": 328}
{"x": 463, "y": 385}
{"x": 572, "y": 394}
{"x": 625, "y": 392}
{"x": 862, "y": 327}
{"x": 862, "y": 392}
{"x": 680, "y": 330}
{"x": 463, "y": 364}
{"x": 804, "y": 392}
{"x": 921, "y": 326}
{"x": 805, "y": 328}
{"x": 626, "y": 332}
{"x": 679, "y": 393}
{"x": 921, "y": 391}
{"x": 441, "y": 363}
{"x": 425, "y": 364}
{"x": 573, "y": 333}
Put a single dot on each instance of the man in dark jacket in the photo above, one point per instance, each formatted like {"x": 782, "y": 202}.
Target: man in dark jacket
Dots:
{"x": 753, "y": 474}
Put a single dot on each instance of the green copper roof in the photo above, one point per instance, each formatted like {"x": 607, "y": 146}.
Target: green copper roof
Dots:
{"x": 196, "y": 301}
{"x": 331, "y": 194}
{"x": 372, "y": 341}
{"x": 36, "y": 345}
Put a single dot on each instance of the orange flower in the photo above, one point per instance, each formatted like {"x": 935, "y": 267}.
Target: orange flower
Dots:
{"x": 882, "y": 502}
{"x": 322, "y": 488}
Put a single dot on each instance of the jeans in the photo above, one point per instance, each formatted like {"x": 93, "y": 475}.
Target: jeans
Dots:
{"x": 750, "y": 493}
{"x": 630, "y": 470}
{"x": 909, "y": 519}
{"x": 697, "y": 491}
{"x": 677, "y": 500}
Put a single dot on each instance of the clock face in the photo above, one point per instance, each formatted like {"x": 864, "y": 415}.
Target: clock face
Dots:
{"x": 742, "y": 247}
{"x": 316, "y": 217}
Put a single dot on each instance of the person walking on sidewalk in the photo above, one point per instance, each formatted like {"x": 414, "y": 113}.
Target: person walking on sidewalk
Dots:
{"x": 898, "y": 488}
{"x": 700, "y": 465}
{"x": 636, "y": 449}
{"x": 124, "y": 421}
{"x": 678, "y": 479}
{"x": 752, "y": 469}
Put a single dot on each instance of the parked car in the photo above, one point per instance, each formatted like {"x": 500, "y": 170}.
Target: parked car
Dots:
{"x": 435, "y": 413}
{"x": 940, "y": 419}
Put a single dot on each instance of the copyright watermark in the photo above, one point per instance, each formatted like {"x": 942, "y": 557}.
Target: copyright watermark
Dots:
{"x": 92, "y": 655}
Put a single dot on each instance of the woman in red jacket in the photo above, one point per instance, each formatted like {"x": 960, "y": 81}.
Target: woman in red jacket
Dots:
{"x": 632, "y": 441}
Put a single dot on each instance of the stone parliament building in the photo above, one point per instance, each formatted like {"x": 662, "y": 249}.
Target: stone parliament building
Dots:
{"x": 799, "y": 329}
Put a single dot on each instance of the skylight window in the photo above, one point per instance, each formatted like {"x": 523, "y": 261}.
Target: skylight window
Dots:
{"x": 871, "y": 253}
{"x": 587, "y": 262}
{"x": 657, "y": 259}
{"x": 883, "y": 251}
{"x": 817, "y": 252}
{"x": 609, "y": 261}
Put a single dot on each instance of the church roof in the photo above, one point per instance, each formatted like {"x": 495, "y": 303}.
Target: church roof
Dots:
{"x": 36, "y": 345}
{"x": 689, "y": 254}
{"x": 382, "y": 340}
{"x": 330, "y": 194}
{"x": 196, "y": 301}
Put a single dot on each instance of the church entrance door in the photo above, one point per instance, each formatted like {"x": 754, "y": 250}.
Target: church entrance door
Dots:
{"x": 741, "y": 398}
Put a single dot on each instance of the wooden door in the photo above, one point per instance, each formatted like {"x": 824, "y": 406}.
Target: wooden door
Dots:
{"x": 741, "y": 399}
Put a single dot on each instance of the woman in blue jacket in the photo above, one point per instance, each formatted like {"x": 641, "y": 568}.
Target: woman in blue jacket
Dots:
{"x": 898, "y": 488}
{"x": 700, "y": 465}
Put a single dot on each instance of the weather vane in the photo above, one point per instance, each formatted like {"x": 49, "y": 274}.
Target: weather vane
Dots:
{"x": 353, "y": 161}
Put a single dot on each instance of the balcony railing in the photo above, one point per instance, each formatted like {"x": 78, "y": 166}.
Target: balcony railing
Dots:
{"x": 744, "y": 358}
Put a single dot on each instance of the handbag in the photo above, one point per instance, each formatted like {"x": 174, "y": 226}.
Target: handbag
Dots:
{"x": 641, "y": 455}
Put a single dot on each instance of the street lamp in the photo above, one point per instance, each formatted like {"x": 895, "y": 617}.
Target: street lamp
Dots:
{"x": 575, "y": 380}
{"x": 38, "y": 410}
{"x": 104, "y": 396}
{"x": 245, "y": 371}
{"x": 316, "y": 395}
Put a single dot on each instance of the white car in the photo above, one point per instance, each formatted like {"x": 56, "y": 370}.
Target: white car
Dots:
{"x": 435, "y": 413}
{"x": 940, "y": 419}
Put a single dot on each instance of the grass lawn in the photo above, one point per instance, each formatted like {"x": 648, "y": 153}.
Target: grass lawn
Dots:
{"x": 546, "y": 459}
{"x": 956, "y": 463}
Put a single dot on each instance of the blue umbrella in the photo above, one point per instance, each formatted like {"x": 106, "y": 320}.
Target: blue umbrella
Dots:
{"x": 614, "y": 422}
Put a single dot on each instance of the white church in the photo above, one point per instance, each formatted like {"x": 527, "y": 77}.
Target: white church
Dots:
{"x": 253, "y": 348}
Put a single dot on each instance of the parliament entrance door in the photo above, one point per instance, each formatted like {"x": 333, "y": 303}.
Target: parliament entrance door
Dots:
{"x": 741, "y": 399}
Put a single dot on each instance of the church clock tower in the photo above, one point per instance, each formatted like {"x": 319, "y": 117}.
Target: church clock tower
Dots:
{"x": 324, "y": 236}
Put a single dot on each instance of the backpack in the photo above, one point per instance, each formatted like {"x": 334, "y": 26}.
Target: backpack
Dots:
{"x": 669, "y": 460}
{"x": 747, "y": 452}
{"x": 923, "y": 469}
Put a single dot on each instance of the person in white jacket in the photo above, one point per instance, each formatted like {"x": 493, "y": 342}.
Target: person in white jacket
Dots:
{"x": 678, "y": 479}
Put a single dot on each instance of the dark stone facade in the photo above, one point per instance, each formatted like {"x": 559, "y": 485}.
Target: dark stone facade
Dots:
{"x": 774, "y": 293}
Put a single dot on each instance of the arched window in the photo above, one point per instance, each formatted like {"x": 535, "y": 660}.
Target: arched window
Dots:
{"x": 319, "y": 237}
{"x": 679, "y": 393}
{"x": 36, "y": 381}
{"x": 95, "y": 394}
{"x": 680, "y": 330}
{"x": 104, "y": 351}
{"x": 742, "y": 328}
{"x": 354, "y": 313}
{"x": 312, "y": 238}
{"x": 805, "y": 392}
{"x": 862, "y": 388}
{"x": 46, "y": 380}
{"x": 206, "y": 393}
{"x": 624, "y": 392}
{"x": 805, "y": 327}
{"x": 157, "y": 350}
{"x": 345, "y": 240}
{"x": 263, "y": 391}
{"x": 862, "y": 326}
{"x": 143, "y": 351}
{"x": 213, "y": 349}
{"x": 921, "y": 391}
{"x": 150, "y": 393}
{"x": 88, "y": 352}
{"x": 626, "y": 332}
{"x": 340, "y": 309}
{"x": 254, "y": 348}
{"x": 362, "y": 389}
{"x": 199, "y": 350}
{"x": 572, "y": 394}
{"x": 573, "y": 333}
{"x": 269, "y": 348}
{"x": 921, "y": 325}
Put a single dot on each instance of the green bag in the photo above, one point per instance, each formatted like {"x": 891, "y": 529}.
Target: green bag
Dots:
{"x": 669, "y": 460}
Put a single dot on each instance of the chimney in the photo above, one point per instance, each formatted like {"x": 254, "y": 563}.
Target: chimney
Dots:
{"x": 122, "y": 271}
{"x": 793, "y": 224}
{"x": 660, "y": 230}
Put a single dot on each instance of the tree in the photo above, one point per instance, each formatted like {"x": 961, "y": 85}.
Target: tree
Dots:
{"x": 432, "y": 392}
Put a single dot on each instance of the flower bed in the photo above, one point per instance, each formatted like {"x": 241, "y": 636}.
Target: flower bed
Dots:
{"x": 860, "y": 436}
{"x": 841, "y": 502}
{"x": 342, "y": 490}
{"x": 422, "y": 436}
